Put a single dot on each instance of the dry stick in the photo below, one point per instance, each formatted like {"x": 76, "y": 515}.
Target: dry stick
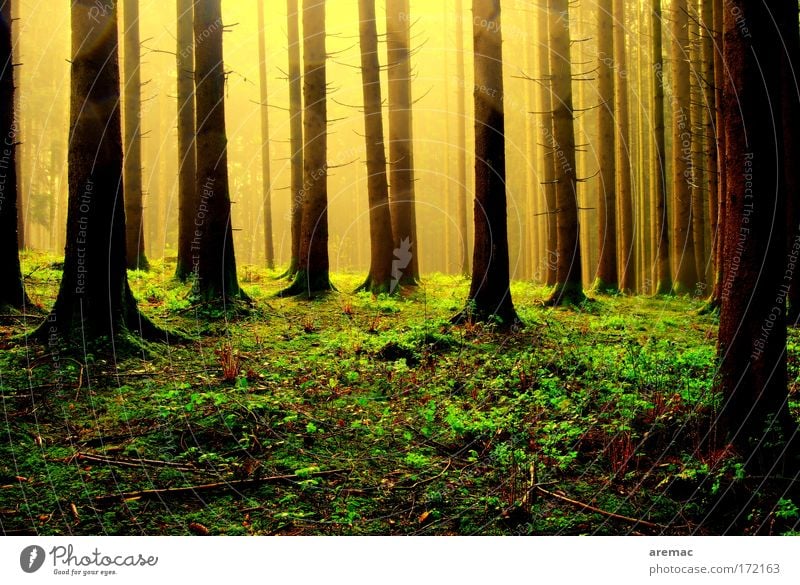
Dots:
{"x": 134, "y": 462}
{"x": 190, "y": 490}
{"x": 598, "y": 510}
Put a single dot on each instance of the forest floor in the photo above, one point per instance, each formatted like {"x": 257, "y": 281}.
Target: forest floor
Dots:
{"x": 356, "y": 415}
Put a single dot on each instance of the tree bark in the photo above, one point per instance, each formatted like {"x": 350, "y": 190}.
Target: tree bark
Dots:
{"x": 569, "y": 282}
{"x": 213, "y": 257}
{"x": 627, "y": 268}
{"x": 313, "y": 264}
{"x": 132, "y": 170}
{"x": 719, "y": 82}
{"x": 682, "y": 240}
{"x": 12, "y": 292}
{"x": 266, "y": 175}
{"x": 489, "y": 294}
{"x": 787, "y": 18}
{"x": 401, "y": 153}
{"x": 295, "y": 137}
{"x": 697, "y": 173}
{"x": 752, "y": 331}
{"x": 709, "y": 125}
{"x": 548, "y": 161}
{"x": 461, "y": 142}
{"x": 94, "y": 300}
{"x": 379, "y": 279}
{"x": 663, "y": 262}
{"x": 606, "y": 278}
{"x": 187, "y": 149}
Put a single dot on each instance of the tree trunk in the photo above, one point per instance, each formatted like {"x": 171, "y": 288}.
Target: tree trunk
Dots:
{"x": 548, "y": 161}
{"x": 132, "y": 172}
{"x": 627, "y": 268}
{"x": 606, "y": 278}
{"x": 12, "y": 292}
{"x": 752, "y": 328}
{"x": 682, "y": 241}
{"x": 94, "y": 300}
{"x": 295, "y": 137}
{"x": 663, "y": 263}
{"x": 489, "y": 293}
{"x": 719, "y": 82}
{"x": 790, "y": 100}
{"x": 213, "y": 255}
{"x": 461, "y": 141}
{"x": 569, "y": 282}
{"x": 313, "y": 265}
{"x": 401, "y": 154}
{"x": 380, "y": 278}
{"x": 709, "y": 125}
{"x": 187, "y": 149}
{"x": 696, "y": 172}
{"x": 266, "y": 176}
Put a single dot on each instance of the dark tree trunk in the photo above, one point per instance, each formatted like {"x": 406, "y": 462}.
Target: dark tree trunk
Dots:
{"x": 719, "y": 82}
{"x": 489, "y": 293}
{"x": 313, "y": 264}
{"x": 548, "y": 161}
{"x": 213, "y": 256}
{"x": 266, "y": 175}
{"x": 94, "y": 299}
{"x": 709, "y": 126}
{"x": 12, "y": 292}
{"x": 401, "y": 154}
{"x": 606, "y": 278}
{"x": 752, "y": 330}
{"x": 787, "y": 17}
{"x": 569, "y": 283}
{"x": 696, "y": 162}
{"x": 295, "y": 137}
{"x": 132, "y": 172}
{"x": 682, "y": 240}
{"x": 461, "y": 141}
{"x": 187, "y": 153}
{"x": 380, "y": 278}
{"x": 663, "y": 263}
{"x": 627, "y": 272}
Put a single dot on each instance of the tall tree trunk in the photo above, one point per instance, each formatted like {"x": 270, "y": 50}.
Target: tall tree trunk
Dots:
{"x": 787, "y": 17}
{"x": 569, "y": 281}
{"x": 295, "y": 136}
{"x": 187, "y": 149}
{"x": 682, "y": 241}
{"x": 380, "y": 278}
{"x": 461, "y": 141}
{"x": 132, "y": 171}
{"x": 313, "y": 264}
{"x": 549, "y": 160}
{"x": 489, "y": 293}
{"x": 401, "y": 154}
{"x": 709, "y": 127}
{"x": 627, "y": 272}
{"x": 663, "y": 263}
{"x": 606, "y": 278}
{"x": 12, "y": 292}
{"x": 266, "y": 176}
{"x": 212, "y": 245}
{"x": 696, "y": 172}
{"x": 719, "y": 82}
{"x": 752, "y": 329}
{"x": 94, "y": 300}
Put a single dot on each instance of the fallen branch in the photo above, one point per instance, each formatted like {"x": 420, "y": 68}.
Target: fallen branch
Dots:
{"x": 590, "y": 508}
{"x": 133, "y": 462}
{"x": 166, "y": 493}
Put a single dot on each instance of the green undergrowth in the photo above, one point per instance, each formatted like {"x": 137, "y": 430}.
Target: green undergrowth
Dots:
{"x": 351, "y": 414}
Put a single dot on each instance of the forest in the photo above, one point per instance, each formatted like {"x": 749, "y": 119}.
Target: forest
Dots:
{"x": 347, "y": 267}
